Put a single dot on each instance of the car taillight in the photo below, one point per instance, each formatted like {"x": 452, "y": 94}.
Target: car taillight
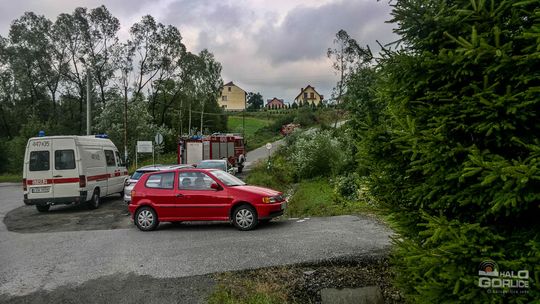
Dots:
{"x": 24, "y": 184}
{"x": 82, "y": 181}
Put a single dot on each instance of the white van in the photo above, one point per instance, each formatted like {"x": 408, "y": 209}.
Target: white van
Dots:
{"x": 71, "y": 170}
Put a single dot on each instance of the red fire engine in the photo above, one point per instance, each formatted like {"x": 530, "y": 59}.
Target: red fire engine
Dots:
{"x": 192, "y": 150}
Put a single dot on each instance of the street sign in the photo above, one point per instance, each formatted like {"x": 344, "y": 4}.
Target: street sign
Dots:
{"x": 144, "y": 147}
{"x": 268, "y": 146}
{"x": 158, "y": 139}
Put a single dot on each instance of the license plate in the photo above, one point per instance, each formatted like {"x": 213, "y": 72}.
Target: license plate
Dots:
{"x": 283, "y": 206}
{"x": 40, "y": 189}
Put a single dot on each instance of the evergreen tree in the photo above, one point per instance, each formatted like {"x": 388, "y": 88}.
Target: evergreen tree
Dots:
{"x": 451, "y": 145}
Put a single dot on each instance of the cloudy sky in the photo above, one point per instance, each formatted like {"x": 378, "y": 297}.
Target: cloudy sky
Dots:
{"x": 270, "y": 46}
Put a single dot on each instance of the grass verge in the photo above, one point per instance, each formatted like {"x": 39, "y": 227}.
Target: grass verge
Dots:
{"x": 164, "y": 159}
{"x": 10, "y": 178}
{"x": 317, "y": 198}
{"x": 303, "y": 283}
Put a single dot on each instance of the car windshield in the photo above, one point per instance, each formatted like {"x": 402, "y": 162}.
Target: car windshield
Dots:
{"x": 139, "y": 173}
{"x": 212, "y": 165}
{"x": 227, "y": 178}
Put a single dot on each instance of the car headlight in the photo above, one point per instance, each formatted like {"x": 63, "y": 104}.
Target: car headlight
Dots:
{"x": 270, "y": 199}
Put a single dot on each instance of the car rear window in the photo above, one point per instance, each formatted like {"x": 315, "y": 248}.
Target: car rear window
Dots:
{"x": 39, "y": 161}
{"x": 212, "y": 165}
{"x": 161, "y": 180}
{"x": 64, "y": 159}
{"x": 137, "y": 174}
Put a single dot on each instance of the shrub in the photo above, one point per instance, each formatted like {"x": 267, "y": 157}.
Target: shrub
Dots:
{"x": 347, "y": 186}
{"x": 316, "y": 153}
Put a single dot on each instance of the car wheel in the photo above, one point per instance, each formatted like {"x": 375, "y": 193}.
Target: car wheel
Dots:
{"x": 244, "y": 217}
{"x": 43, "y": 208}
{"x": 146, "y": 219}
{"x": 94, "y": 201}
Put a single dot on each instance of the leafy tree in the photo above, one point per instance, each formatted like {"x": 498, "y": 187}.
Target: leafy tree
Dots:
{"x": 151, "y": 76}
{"x": 347, "y": 55}
{"x": 254, "y": 101}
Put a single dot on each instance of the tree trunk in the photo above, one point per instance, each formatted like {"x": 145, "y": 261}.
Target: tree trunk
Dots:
{"x": 189, "y": 123}
{"x": 202, "y": 116}
{"x": 125, "y": 123}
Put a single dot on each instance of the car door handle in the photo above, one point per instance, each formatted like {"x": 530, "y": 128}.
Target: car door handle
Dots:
{"x": 179, "y": 195}
{"x": 57, "y": 175}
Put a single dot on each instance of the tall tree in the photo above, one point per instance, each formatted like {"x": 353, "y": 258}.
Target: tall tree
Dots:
{"x": 100, "y": 38}
{"x": 347, "y": 56}
{"x": 254, "y": 101}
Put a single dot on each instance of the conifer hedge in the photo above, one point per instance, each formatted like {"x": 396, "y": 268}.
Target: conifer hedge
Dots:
{"x": 454, "y": 153}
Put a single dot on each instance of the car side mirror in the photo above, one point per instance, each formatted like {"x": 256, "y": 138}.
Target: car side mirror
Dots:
{"x": 215, "y": 186}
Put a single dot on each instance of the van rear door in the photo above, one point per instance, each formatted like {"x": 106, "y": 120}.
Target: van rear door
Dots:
{"x": 65, "y": 171}
{"x": 39, "y": 175}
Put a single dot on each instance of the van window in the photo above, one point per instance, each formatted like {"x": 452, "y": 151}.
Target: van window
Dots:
{"x": 161, "y": 180}
{"x": 109, "y": 157}
{"x": 64, "y": 159}
{"x": 39, "y": 161}
{"x": 118, "y": 159}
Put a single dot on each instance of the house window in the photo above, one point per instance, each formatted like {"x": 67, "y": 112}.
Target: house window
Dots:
{"x": 224, "y": 98}
{"x": 229, "y": 88}
{"x": 305, "y": 95}
{"x": 312, "y": 95}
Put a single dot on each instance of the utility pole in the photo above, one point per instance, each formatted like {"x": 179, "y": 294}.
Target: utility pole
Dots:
{"x": 88, "y": 98}
{"x": 88, "y": 103}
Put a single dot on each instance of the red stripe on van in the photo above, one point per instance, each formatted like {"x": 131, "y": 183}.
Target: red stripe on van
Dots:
{"x": 50, "y": 181}
{"x": 98, "y": 177}
{"x": 69, "y": 180}
{"x": 66, "y": 180}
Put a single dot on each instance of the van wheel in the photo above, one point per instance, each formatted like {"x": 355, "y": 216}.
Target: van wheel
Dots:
{"x": 94, "y": 201}
{"x": 244, "y": 217}
{"x": 43, "y": 208}
{"x": 146, "y": 219}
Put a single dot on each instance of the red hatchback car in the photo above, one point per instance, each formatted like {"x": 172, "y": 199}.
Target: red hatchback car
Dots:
{"x": 201, "y": 195}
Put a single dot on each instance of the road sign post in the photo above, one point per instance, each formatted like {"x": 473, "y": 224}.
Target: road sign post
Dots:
{"x": 268, "y": 148}
{"x": 158, "y": 139}
{"x": 144, "y": 147}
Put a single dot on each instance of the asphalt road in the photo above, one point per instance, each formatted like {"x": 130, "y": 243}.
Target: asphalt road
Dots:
{"x": 34, "y": 262}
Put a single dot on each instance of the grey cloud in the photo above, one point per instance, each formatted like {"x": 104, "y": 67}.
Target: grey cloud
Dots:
{"x": 217, "y": 16}
{"x": 11, "y": 10}
{"x": 306, "y": 33}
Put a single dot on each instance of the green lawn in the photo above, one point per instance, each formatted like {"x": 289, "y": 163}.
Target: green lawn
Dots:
{"x": 316, "y": 198}
{"x": 256, "y": 133}
{"x": 252, "y": 124}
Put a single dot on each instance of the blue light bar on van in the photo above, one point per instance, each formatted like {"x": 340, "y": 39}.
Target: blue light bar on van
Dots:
{"x": 102, "y": 136}
{"x": 41, "y": 133}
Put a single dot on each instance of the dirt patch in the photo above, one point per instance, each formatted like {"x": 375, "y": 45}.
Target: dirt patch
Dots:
{"x": 124, "y": 288}
{"x": 303, "y": 283}
{"x": 111, "y": 214}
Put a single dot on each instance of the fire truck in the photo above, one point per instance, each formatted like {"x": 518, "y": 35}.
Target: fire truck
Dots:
{"x": 194, "y": 149}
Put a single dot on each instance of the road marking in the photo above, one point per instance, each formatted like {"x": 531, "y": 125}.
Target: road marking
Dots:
{"x": 300, "y": 221}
